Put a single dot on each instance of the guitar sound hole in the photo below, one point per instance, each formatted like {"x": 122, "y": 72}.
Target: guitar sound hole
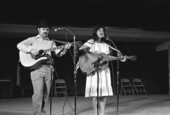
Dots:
{"x": 100, "y": 58}
{"x": 41, "y": 52}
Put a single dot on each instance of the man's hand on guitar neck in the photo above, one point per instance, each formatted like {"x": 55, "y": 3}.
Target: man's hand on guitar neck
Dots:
{"x": 68, "y": 45}
{"x": 64, "y": 50}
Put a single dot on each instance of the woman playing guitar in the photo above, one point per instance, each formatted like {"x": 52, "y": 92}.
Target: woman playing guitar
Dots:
{"x": 95, "y": 64}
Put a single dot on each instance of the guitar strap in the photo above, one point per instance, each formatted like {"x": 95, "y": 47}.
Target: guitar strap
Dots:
{"x": 113, "y": 48}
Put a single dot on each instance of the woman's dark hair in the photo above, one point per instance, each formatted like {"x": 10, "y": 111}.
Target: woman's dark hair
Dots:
{"x": 95, "y": 32}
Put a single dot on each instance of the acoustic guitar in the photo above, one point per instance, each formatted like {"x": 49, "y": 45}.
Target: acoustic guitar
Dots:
{"x": 90, "y": 62}
{"x": 29, "y": 60}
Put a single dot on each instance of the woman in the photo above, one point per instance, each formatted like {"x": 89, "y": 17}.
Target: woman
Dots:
{"x": 100, "y": 79}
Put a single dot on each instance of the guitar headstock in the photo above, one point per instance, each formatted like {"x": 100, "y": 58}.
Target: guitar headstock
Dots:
{"x": 133, "y": 58}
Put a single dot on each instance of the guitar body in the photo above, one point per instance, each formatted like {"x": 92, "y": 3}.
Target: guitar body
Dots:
{"x": 90, "y": 62}
{"x": 87, "y": 62}
{"x": 28, "y": 61}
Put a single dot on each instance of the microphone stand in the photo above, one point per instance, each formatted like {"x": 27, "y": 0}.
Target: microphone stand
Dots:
{"x": 53, "y": 69}
{"x": 117, "y": 76}
{"x": 75, "y": 69}
{"x": 117, "y": 89}
{"x": 52, "y": 83}
{"x": 75, "y": 73}
{"x": 51, "y": 92}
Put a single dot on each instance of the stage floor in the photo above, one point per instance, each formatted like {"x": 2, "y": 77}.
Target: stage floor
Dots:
{"x": 128, "y": 105}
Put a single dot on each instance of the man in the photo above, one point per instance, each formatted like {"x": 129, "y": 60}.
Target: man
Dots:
{"x": 41, "y": 73}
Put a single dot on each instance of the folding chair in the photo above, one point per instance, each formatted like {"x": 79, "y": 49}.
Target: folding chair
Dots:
{"x": 139, "y": 86}
{"x": 60, "y": 87}
{"x": 9, "y": 83}
{"x": 126, "y": 87}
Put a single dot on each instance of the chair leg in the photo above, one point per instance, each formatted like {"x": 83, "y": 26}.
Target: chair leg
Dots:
{"x": 124, "y": 90}
{"x": 133, "y": 91}
{"x": 145, "y": 91}
{"x": 136, "y": 91}
{"x": 121, "y": 90}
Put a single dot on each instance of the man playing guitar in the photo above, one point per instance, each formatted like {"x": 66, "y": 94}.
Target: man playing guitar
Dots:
{"x": 35, "y": 52}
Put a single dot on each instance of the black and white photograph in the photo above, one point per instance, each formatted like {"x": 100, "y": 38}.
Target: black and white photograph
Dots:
{"x": 85, "y": 57}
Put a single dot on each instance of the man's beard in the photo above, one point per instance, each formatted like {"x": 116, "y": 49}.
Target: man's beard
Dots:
{"x": 44, "y": 35}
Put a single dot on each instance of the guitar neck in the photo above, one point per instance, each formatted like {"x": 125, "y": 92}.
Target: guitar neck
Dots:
{"x": 110, "y": 58}
{"x": 53, "y": 49}
{"x": 62, "y": 46}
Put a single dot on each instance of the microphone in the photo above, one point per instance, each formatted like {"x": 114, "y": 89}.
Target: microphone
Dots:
{"x": 57, "y": 29}
{"x": 107, "y": 38}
